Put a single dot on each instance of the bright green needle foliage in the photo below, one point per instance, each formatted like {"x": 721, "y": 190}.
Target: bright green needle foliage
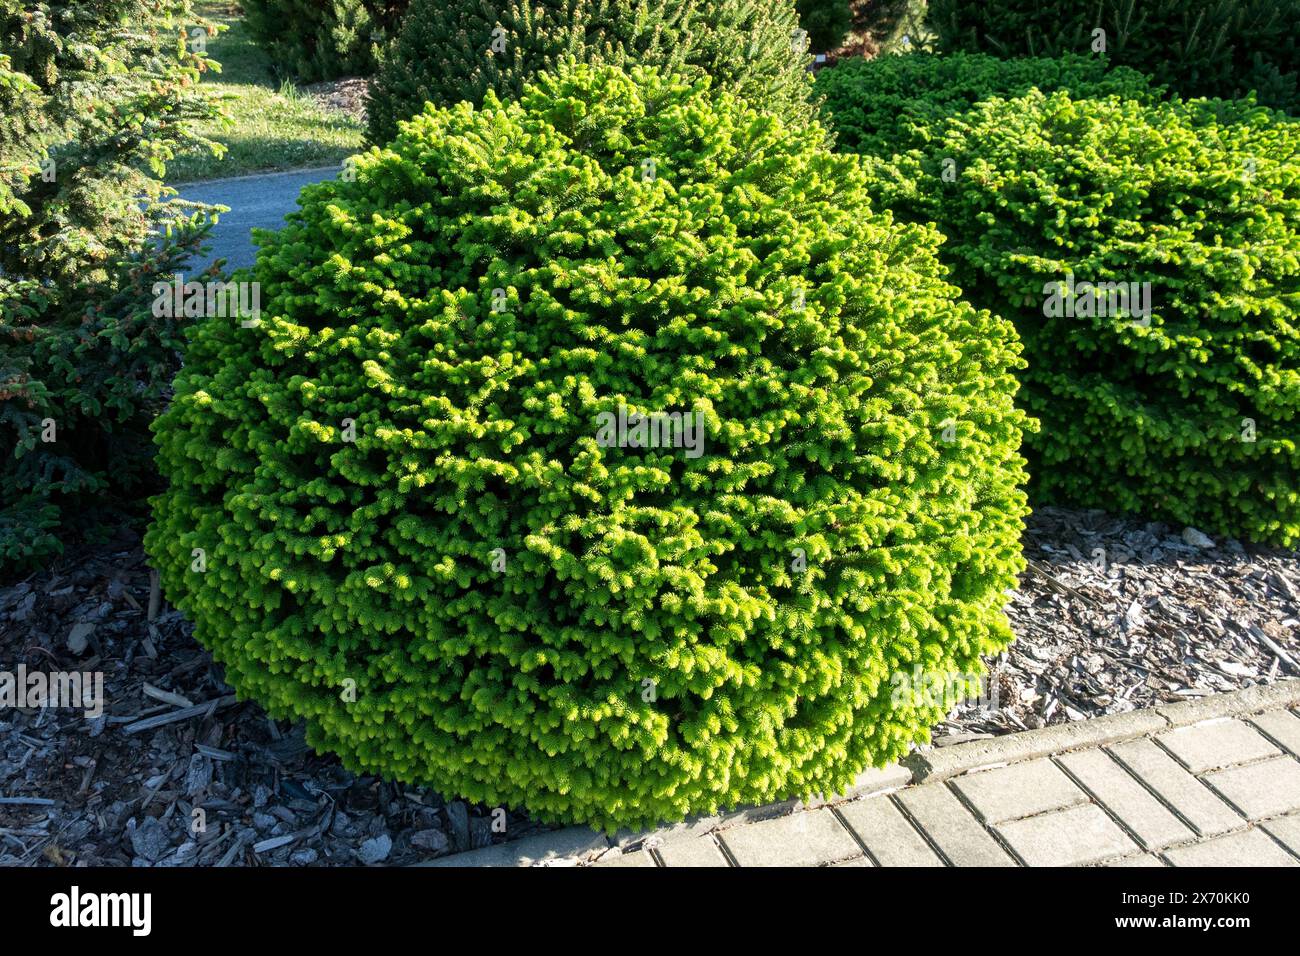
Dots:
{"x": 1184, "y": 404}
{"x": 530, "y": 616}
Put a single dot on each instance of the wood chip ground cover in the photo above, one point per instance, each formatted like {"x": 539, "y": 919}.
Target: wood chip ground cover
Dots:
{"x": 1112, "y": 615}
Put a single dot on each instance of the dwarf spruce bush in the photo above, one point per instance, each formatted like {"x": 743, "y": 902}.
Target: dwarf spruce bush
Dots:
{"x": 1149, "y": 255}
{"x": 893, "y": 103}
{"x": 1221, "y": 48}
{"x": 453, "y": 50}
{"x": 418, "y": 505}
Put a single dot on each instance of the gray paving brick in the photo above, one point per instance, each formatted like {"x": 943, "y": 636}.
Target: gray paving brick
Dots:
{"x": 1020, "y": 790}
{"x": 691, "y": 851}
{"x": 1127, "y": 799}
{"x": 1194, "y": 801}
{"x": 1283, "y": 726}
{"x": 1145, "y": 860}
{"x": 887, "y": 834}
{"x": 856, "y": 861}
{"x": 952, "y": 827}
{"x": 1286, "y": 829}
{"x": 636, "y": 858}
{"x": 1261, "y": 789}
{"x": 800, "y": 839}
{"x": 1248, "y": 848}
{"x": 1215, "y": 744}
{"x": 1071, "y": 837}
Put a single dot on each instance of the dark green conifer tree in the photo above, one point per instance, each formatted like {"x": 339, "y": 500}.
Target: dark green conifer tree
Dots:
{"x": 827, "y": 22}
{"x": 95, "y": 97}
{"x": 1222, "y": 48}
{"x": 452, "y": 50}
{"x": 311, "y": 40}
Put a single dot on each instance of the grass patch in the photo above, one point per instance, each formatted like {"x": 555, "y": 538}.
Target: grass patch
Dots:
{"x": 273, "y": 125}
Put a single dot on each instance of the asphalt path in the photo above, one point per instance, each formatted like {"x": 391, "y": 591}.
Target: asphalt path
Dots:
{"x": 256, "y": 202}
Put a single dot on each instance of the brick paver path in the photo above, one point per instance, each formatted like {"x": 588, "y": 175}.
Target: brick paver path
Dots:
{"x": 1207, "y": 782}
{"x": 1219, "y": 792}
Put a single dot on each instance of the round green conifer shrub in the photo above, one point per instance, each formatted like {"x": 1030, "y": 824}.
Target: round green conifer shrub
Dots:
{"x": 601, "y": 453}
{"x": 453, "y": 50}
{"x": 891, "y": 104}
{"x": 1149, "y": 256}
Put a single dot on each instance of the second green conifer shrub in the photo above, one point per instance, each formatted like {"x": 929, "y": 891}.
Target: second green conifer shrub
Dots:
{"x": 453, "y": 50}
{"x": 313, "y": 40}
{"x": 414, "y": 506}
{"x": 1149, "y": 255}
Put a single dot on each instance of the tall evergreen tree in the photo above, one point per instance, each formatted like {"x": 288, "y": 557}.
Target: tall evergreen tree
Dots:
{"x": 323, "y": 39}
{"x": 827, "y": 22}
{"x": 95, "y": 97}
{"x": 1222, "y": 48}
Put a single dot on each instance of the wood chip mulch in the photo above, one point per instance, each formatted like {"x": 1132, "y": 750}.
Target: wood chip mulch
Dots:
{"x": 1112, "y": 615}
